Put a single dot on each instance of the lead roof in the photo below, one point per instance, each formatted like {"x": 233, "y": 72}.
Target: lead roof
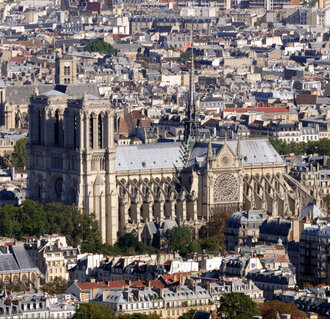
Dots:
{"x": 172, "y": 154}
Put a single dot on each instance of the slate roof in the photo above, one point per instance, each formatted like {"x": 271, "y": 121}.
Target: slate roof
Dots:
{"x": 22, "y": 258}
{"x": 8, "y": 263}
{"x": 17, "y": 261}
{"x": 312, "y": 211}
{"x": 201, "y": 315}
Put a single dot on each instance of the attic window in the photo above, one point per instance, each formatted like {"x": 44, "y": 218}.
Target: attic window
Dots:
{"x": 144, "y": 164}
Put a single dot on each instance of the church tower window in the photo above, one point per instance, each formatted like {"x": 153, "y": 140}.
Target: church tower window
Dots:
{"x": 100, "y": 132}
{"x": 57, "y": 129}
{"x": 59, "y": 187}
{"x": 39, "y": 127}
{"x": 91, "y": 133}
{"x": 74, "y": 132}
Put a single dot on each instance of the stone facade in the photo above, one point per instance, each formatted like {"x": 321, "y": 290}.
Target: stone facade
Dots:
{"x": 65, "y": 70}
{"x": 73, "y": 159}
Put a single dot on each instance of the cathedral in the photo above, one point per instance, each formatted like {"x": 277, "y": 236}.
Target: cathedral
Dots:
{"x": 72, "y": 158}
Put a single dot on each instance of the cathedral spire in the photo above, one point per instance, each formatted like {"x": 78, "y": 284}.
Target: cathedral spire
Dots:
{"x": 192, "y": 78}
{"x": 191, "y": 125}
{"x": 209, "y": 150}
{"x": 238, "y": 148}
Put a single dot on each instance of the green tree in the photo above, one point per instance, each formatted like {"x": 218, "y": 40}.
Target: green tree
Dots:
{"x": 100, "y": 46}
{"x": 19, "y": 155}
{"x": 237, "y": 305}
{"x": 93, "y": 311}
{"x": 3, "y": 162}
{"x": 10, "y": 225}
{"x": 268, "y": 310}
{"x": 188, "y": 315}
{"x": 217, "y": 225}
{"x": 180, "y": 239}
{"x": 321, "y": 147}
{"x": 128, "y": 240}
{"x": 32, "y": 218}
{"x": 56, "y": 286}
{"x": 139, "y": 316}
{"x": 195, "y": 247}
{"x": 270, "y": 26}
{"x": 260, "y": 21}
{"x": 78, "y": 227}
{"x": 129, "y": 244}
{"x": 6, "y": 160}
{"x": 210, "y": 244}
{"x": 187, "y": 55}
{"x": 16, "y": 287}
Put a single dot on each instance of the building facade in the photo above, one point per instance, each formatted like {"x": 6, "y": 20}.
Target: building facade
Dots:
{"x": 314, "y": 254}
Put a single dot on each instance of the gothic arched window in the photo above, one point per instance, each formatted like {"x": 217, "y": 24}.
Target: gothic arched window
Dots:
{"x": 91, "y": 133}
{"x": 38, "y": 186}
{"x": 57, "y": 129}
{"x": 39, "y": 127}
{"x": 75, "y": 144}
{"x": 58, "y": 187}
{"x": 100, "y": 131}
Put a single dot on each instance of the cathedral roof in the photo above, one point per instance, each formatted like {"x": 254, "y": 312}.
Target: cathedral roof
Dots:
{"x": 54, "y": 93}
{"x": 171, "y": 155}
{"x": 254, "y": 151}
{"x": 150, "y": 156}
{"x": 20, "y": 95}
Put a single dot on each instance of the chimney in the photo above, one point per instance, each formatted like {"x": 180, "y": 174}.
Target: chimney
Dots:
{"x": 125, "y": 293}
{"x": 136, "y": 293}
{"x": 250, "y": 284}
{"x": 325, "y": 160}
{"x": 182, "y": 280}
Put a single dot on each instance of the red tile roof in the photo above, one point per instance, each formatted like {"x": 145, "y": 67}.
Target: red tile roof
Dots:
{"x": 306, "y": 99}
{"x": 117, "y": 284}
{"x": 259, "y": 109}
{"x": 157, "y": 284}
{"x": 89, "y": 285}
{"x": 18, "y": 59}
